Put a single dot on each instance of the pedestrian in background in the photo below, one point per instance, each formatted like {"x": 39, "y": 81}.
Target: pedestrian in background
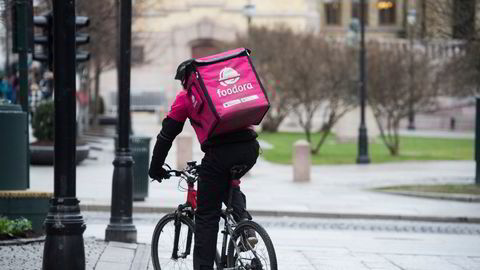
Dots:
{"x": 3, "y": 87}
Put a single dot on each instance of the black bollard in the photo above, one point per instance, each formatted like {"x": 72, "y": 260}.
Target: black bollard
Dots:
{"x": 452, "y": 123}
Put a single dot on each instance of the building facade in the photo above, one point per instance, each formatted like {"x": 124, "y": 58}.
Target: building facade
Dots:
{"x": 457, "y": 19}
{"x": 383, "y": 18}
{"x": 169, "y": 32}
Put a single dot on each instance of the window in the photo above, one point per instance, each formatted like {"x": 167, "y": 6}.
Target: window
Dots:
{"x": 463, "y": 19}
{"x": 387, "y": 12}
{"x": 203, "y": 48}
{"x": 333, "y": 12}
{"x": 356, "y": 10}
{"x": 137, "y": 54}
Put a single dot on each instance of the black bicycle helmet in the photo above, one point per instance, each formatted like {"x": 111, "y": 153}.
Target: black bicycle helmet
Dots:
{"x": 183, "y": 70}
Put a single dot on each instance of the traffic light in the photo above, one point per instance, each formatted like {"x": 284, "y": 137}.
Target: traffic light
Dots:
{"x": 44, "y": 40}
{"x": 82, "y": 38}
{"x": 21, "y": 22}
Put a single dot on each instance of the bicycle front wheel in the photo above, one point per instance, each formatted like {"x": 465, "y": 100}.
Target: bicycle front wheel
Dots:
{"x": 172, "y": 243}
{"x": 242, "y": 253}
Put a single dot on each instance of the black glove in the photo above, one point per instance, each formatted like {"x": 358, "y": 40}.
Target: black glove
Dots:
{"x": 170, "y": 129}
{"x": 156, "y": 171}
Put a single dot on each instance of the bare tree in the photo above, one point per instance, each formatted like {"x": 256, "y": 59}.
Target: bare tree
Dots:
{"x": 303, "y": 74}
{"x": 391, "y": 91}
{"x": 272, "y": 50}
{"x": 5, "y": 7}
{"x": 102, "y": 46}
{"x": 323, "y": 78}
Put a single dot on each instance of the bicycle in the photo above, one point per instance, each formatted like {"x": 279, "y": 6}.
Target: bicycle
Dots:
{"x": 172, "y": 237}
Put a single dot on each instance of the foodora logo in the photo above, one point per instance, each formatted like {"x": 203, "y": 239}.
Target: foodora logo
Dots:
{"x": 228, "y": 76}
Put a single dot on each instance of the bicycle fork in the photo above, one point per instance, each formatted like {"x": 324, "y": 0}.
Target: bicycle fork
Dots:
{"x": 178, "y": 227}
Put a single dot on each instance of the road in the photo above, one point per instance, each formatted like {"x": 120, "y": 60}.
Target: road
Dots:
{"x": 316, "y": 244}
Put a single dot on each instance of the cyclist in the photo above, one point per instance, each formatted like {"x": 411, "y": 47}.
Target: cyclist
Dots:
{"x": 222, "y": 153}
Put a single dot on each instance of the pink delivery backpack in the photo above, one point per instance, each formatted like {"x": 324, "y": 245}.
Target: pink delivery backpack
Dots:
{"x": 226, "y": 93}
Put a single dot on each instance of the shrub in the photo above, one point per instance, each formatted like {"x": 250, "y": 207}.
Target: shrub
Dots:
{"x": 43, "y": 121}
{"x": 16, "y": 227}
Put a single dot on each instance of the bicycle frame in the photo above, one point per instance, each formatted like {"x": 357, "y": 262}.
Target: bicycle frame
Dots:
{"x": 188, "y": 209}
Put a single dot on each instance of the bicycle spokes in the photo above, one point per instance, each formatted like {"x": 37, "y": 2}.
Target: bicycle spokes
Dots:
{"x": 172, "y": 245}
{"x": 251, "y": 256}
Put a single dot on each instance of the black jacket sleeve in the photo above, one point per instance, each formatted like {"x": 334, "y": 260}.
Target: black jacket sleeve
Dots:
{"x": 170, "y": 129}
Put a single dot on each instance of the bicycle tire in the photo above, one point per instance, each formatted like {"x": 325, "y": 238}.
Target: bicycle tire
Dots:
{"x": 157, "y": 233}
{"x": 261, "y": 233}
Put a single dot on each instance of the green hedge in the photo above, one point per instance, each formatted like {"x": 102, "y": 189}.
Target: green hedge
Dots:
{"x": 16, "y": 227}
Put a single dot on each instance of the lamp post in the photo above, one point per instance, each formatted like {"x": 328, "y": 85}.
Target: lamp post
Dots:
{"x": 362, "y": 157}
{"x": 121, "y": 226}
{"x": 352, "y": 36}
{"x": 64, "y": 226}
{"x": 477, "y": 141}
{"x": 249, "y": 11}
{"x": 411, "y": 19}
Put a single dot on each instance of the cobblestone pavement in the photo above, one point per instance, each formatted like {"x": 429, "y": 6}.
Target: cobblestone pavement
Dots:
{"x": 311, "y": 244}
{"x": 372, "y": 225}
{"x": 29, "y": 256}
{"x": 317, "y": 244}
{"x": 324, "y": 224}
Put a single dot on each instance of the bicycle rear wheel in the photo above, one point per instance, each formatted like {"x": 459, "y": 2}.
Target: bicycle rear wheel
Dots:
{"x": 260, "y": 256}
{"x": 163, "y": 244}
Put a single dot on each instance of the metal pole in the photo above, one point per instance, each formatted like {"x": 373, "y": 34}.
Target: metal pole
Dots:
{"x": 22, "y": 48}
{"x": 477, "y": 142}
{"x": 121, "y": 226}
{"x": 22, "y": 52}
{"x": 7, "y": 21}
{"x": 411, "y": 111}
{"x": 64, "y": 225}
{"x": 362, "y": 157}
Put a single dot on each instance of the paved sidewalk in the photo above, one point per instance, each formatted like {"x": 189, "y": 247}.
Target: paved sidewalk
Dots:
{"x": 334, "y": 191}
{"x": 438, "y": 134}
{"x": 123, "y": 256}
{"x": 340, "y": 191}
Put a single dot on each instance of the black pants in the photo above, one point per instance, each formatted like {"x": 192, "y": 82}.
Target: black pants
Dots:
{"x": 215, "y": 177}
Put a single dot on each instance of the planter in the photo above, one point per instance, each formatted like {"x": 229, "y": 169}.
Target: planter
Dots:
{"x": 107, "y": 120}
{"x": 44, "y": 154}
{"x": 30, "y": 205}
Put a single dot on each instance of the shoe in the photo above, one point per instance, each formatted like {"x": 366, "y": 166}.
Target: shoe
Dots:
{"x": 250, "y": 239}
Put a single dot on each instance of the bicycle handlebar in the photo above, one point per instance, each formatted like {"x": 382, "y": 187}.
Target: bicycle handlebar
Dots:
{"x": 190, "y": 173}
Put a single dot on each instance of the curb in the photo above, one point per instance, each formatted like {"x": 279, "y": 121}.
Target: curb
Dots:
{"x": 435, "y": 195}
{"x": 22, "y": 241}
{"x": 270, "y": 213}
